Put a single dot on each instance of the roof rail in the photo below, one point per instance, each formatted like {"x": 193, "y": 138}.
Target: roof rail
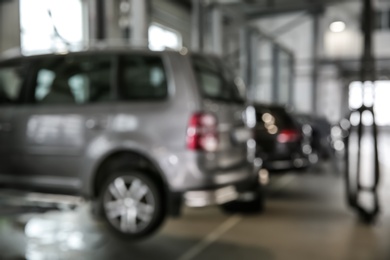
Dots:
{"x": 94, "y": 45}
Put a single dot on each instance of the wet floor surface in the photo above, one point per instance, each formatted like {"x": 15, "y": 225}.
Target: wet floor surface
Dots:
{"x": 306, "y": 218}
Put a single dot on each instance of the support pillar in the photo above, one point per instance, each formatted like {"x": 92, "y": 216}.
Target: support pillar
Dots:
{"x": 316, "y": 59}
{"x": 244, "y": 58}
{"x": 275, "y": 74}
{"x": 197, "y": 28}
{"x": 97, "y": 20}
{"x": 9, "y": 25}
{"x": 291, "y": 92}
{"x": 112, "y": 14}
{"x": 217, "y": 30}
{"x": 253, "y": 63}
{"x": 139, "y": 23}
{"x": 249, "y": 61}
{"x": 368, "y": 71}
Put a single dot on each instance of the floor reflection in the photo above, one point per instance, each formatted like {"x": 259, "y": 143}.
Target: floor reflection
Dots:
{"x": 305, "y": 213}
{"x": 60, "y": 235}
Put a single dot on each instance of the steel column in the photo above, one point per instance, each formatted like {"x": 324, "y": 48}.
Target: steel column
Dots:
{"x": 367, "y": 71}
{"x": 100, "y": 20}
{"x": 197, "y": 28}
{"x": 139, "y": 23}
{"x": 97, "y": 20}
{"x": 244, "y": 64}
{"x": 291, "y": 86}
{"x": 253, "y": 63}
{"x": 315, "y": 57}
{"x": 275, "y": 74}
{"x": 9, "y": 25}
{"x": 354, "y": 183}
{"x": 217, "y": 30}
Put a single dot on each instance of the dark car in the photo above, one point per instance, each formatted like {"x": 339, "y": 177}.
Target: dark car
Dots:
{"x": 280, "y": 139}
{"x": 318, "y": 130}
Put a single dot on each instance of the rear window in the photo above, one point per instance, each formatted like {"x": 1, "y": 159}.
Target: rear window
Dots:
{"x": 282, "y": 119}
{"x": 215, "y": 80}
{"x": 143, "y": 78}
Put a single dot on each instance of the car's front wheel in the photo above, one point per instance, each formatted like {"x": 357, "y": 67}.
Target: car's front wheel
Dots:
{"x": 132, "y": 204}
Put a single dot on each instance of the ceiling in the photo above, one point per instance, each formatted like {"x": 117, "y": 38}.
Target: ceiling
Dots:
{"x": 259, "y": 8}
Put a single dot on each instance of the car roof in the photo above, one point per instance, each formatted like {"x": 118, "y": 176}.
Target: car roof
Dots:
{"x": 16, "y": 54}
{"x": 7, "y": 56}
{"x": 269, "y": 106}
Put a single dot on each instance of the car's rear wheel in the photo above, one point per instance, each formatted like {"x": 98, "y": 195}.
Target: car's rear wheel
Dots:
{"x": 132, "y": 205}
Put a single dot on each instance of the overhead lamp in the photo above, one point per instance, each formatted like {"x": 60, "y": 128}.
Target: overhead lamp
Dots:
{"x": 337, "y": 26}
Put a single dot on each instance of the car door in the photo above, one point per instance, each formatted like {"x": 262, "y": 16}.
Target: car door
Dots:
{"x": 11, "y": 81}
{"x": 68, "y": 106}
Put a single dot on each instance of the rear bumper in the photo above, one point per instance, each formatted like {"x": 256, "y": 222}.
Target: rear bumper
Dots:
{"x": 210, "y": 197}
{"x": 194, "y": 177}
{"x": 226, "y": 193}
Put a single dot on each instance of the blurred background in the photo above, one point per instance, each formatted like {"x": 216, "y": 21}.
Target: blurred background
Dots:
{"x": 305, "y": 63}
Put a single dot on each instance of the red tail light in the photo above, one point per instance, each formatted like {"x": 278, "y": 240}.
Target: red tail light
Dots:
{"x": 202, "y": 133}
{"x": 288, "y": 135}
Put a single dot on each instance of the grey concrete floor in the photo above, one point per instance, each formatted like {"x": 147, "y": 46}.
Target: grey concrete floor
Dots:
{"x": 306, "y": 218}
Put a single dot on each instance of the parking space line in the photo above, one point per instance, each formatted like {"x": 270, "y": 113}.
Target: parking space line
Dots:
{"x": 229, "y": 224}
{"x": 211, "y": 238}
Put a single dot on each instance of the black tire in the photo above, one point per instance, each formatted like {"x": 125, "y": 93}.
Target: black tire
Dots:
{"x": 157, "y": 217}
{"x": 253, "y": 206}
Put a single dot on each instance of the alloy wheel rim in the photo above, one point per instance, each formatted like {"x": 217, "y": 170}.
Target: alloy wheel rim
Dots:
{"x": 129, "y": 204}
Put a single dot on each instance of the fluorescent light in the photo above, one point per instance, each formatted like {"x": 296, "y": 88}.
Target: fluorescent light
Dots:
{"x": 337, "y": 26}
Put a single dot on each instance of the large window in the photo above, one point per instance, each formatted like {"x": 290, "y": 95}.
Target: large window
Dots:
{"x": 368, "y": 94}
{"x": 161, "y": 37}
{"x": 50, "y": 24}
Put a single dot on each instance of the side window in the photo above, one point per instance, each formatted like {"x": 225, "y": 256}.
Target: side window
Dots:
{"x": 73, "y": 80}
{"x": 44, "y": 81}
{"x": 143, "y": 78}
{"x": 11, "y": 79}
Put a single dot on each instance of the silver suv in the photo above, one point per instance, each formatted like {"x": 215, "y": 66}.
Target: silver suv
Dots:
{"x": 139, "y": 133}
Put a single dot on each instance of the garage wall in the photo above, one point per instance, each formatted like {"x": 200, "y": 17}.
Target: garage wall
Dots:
{"x": 334, "y": 46}
{"x": 9, "y": 25}
{"x": 299, "y": 43}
